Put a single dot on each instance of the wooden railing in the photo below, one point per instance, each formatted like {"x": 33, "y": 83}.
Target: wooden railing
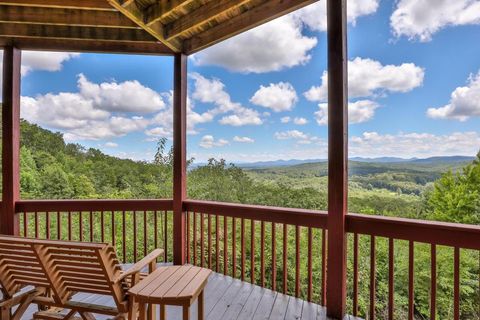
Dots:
{"x": 133, "y": 227}
{"x": 277, "y": 248}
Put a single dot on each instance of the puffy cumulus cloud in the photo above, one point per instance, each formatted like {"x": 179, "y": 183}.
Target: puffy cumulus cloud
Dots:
{"x": 299, "y": 137}
{"x": 358, "y": 112}
{"x": 110, "y": 144}
{"x": 128, "y": 96}
{"x": 406, "y": 145}
{"x": 367, "y": 77}
{"x": 213, "y": 91}
{"x": 300, "y": 121}
{"x": 420, "y": 19}
{"x": 243, "y": 139}
{"x": 464, "y": 102}
{"x": 285, "y": 119}
{"x": 208, "y": 141}
{"x": 314, "y": 16}
{"x": 274, "y": 46}
{"x": 277, "y": 97}
{"x": 44, "y": 61}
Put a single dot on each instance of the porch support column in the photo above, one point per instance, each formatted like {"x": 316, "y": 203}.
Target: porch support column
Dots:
{"x": 337, "y": 156}
{"x": 9, "y": 222}
{"x": 179, "y": 156}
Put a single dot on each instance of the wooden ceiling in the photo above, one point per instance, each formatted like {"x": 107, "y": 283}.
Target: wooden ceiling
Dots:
{"x": 161, "y": 27}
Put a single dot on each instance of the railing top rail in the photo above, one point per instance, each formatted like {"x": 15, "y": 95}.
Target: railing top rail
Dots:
{"x": 93, "y": 205}
{"x": 433, "y": 232}
{"x": 293, "y": 216}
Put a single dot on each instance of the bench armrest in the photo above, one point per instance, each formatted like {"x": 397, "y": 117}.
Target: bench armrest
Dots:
{"x": 137, "y": 267}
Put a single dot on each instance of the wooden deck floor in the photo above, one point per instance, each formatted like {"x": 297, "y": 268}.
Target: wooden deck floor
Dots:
{"x": 227, "y": 298}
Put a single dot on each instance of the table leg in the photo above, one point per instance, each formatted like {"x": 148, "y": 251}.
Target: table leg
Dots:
{"x": 152, "y": 311}
{"x": 142, "y": 308}
{"x": 133, "y": 312}
{"x": 186, "y": 313}
{"x": 163, "y": 315}
{"x": 200, "y": 306}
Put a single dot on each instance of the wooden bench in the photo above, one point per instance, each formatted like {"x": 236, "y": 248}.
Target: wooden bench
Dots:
{"x": 57, "y": 270}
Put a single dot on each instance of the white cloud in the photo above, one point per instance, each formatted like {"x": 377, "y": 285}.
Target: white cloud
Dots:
{"x": 406, "y": 145}
{"x": 464, "y": 102}
{"x": 111, "y": 144}
{"x": 274, "y": 46}
{"x": 208, "y": 141}
{"x": 315, "y": 16}
{"x": 367, "y": 77}
{"x": 290, "y": 134}
{"x": 127, "y": 96}
{"x": 285, "y": 119}
{"x": 300, "y": 121}
{"x": 358, "y": 112}
{"x": 213, "y": 91}
{"x": 420, "y": 19}
{"x": 243, "y": 139}
{"x": 277, "y": 97}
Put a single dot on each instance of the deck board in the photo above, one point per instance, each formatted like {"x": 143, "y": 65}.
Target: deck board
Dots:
{"x": 231, "y": 299}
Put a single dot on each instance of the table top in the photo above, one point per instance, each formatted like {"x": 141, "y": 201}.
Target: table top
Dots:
{"x": 173, "y": 285}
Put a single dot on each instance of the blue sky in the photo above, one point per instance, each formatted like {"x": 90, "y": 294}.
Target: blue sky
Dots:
{"x": 414, "y": 76}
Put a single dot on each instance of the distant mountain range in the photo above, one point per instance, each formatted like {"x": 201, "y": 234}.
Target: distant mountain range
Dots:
{"x": 285, "y": 163}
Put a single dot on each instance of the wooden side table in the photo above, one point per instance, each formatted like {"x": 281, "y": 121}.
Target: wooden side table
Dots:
{"x": 173, "y": 285}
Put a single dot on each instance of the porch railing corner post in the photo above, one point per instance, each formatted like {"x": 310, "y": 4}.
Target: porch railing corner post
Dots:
{"x": 337, "y": 157}
{"x": 9, "y": 220}
{"x": 179, "y": 157}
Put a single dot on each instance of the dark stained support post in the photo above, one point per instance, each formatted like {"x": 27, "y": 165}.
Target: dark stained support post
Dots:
{"x": 179, "y": 156}
{"x": 337, "y": 157}
{"x": 9, "y": 222}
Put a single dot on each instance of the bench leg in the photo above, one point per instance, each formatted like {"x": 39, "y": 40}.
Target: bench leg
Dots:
{"x": 163, "y": 315}
{"x": 186, "y": 313}
{"x": 200, "y": 306}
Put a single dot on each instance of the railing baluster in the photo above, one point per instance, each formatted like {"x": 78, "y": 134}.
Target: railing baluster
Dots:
{"x": 36, "y": 224}
{"x": 188, "y": 236}
{"x": 234, "y": 247}
{"x": 297, "y": 261}
{"x": 262, "y": 253}
{"x": 391, "y": 287}
{"x": 59, "y": 225}
{"x": 309, "y": 265}
{"x": 155, "y": 233}
{"x": 202, "y": 235}
{"x": 124, "y": 239}
{"x": 217, "y": 244}
{"x": 25, "y": 224}
{"x": 285, "y": 262}
{"x": 165, "y": 237}
{"x": 355, "y": 275}
{"x": 242, "y": 240}
{"x": 274, "y": 256}
{"x": 209, "y": 240}
{"x": 252, "y": 251}
{"x": 411, "y": 277}
{"x": 194, "y": 238}
{"x": 80, "y": 225}
{"x": 145, "y": 233}
{"x": 91, "y": 226}
{"x": 102, "y": 226}
{"x": 456, "y": 284}
{"x": 134, "y": 218}
{"x": 47, "y": 225}
{"x": 69, "y": 225}
{"x": 225, "y": 245}
{"x": 324, "y": 268}
{"x": 372, "y": 277}
{"x": 433, "y": 282}
{"x": 113, "y": 230}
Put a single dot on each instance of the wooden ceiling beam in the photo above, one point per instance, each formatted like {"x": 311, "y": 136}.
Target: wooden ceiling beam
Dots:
{"x": 60, "y": 16}
{"x": 163, "y": 8}
{"x": 27, "y": 43}
{"x": 72, "y": 4}
{"x": 254, "y": 17}
{"x": 137, "y": 15}
{"x": 202, "y": 15}
{"x": 73, "y": 32}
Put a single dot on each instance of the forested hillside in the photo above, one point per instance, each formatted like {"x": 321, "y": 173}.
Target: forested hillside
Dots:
{"x": 447, "y": 191}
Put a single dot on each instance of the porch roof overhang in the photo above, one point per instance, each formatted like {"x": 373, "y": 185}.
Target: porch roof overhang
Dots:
{"x": 157, "y": 27}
